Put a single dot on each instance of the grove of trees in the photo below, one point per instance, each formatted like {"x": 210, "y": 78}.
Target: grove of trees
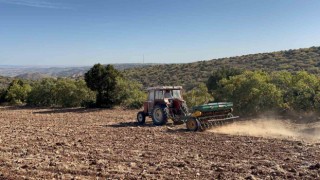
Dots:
{"x": 59, "y": 93}
{"x": 102, "y": 86}
{"x": 254, "y": 92}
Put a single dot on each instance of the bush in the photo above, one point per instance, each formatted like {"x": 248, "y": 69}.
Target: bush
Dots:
{"x": 17, "y": 92}
{"x": 304, "y": 92}
{"x": 60, "y": 93}
{"x": 251, "y": 92}
{"x": 257, "y": 92}
{"x": 89, "y": 104}
{"x": 71, "y": 93}
{"x": 219, "y": 74}
{"x": 43, "y": 93}
{"x": 198, "y": 95}
{"x": 3, "y": 93}
{"x": 129, "y": 93}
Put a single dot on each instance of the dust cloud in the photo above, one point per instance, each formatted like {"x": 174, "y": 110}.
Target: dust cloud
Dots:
{"x": 272, "y": 128}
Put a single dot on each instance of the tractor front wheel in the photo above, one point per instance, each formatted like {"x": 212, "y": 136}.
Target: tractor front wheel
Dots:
{"x": 141, "y": 117}
{"x": 160, "y": 115}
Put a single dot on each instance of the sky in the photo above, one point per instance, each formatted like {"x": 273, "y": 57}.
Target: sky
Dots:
{"x": 85, "y": 32}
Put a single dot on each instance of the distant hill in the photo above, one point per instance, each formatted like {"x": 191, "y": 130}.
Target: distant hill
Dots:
{"x": 13, "y": 71}
{"x": 190, "y": 74}
{"x": 32, "y": 76}
{"x": 35, "y": 73}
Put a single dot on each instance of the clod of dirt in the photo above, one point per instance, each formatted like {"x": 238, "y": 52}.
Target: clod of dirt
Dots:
{"x": 60, "y": 144}
{"x": 250, "y": 177}
{"x": 24, "y": 166}
{"x": 315, "y": 167}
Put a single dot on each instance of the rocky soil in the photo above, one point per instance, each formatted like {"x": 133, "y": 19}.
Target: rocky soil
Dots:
{"x": 108, "y": 144}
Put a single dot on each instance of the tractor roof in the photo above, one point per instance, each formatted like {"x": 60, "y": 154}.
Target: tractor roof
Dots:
{"x": 164, "y": 88}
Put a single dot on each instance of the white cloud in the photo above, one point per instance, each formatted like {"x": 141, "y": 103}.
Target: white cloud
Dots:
{"x": 36, "y": 3}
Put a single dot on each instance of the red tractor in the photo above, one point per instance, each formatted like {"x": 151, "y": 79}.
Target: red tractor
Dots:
{"x": 166, "y": 102}
{"x": 163, "y": 103}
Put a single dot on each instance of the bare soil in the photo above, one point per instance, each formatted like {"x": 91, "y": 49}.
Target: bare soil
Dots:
{"x": 108, "y": 144}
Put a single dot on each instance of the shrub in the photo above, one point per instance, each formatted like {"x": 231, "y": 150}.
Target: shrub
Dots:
{"x": 71, "y": 93}
{"x": 3, "y": 93}
{"x": 251, "y": 92}
{"x": 198, "y": 95}
{"x": 60, "y": 93}
{"x": 17, "y": 92}
{"x": 219, "y": 74}
{"x": 129, "y": 93}
{"x": 43, "y": 93}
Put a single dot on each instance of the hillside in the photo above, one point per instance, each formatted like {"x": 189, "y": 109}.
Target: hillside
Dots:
{"x": 191, "y": 73}
{"x": 32, "y": 76}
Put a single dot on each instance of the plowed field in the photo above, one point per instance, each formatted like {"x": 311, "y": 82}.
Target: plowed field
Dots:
{"x": 108, "y": 144}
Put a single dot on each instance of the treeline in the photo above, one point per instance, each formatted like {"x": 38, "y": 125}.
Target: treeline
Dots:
{"x": 47, "y": 93}
{"x": 190, "y": 75}
{"x": 103, "y": 86}
{"x": 254, "y": 92}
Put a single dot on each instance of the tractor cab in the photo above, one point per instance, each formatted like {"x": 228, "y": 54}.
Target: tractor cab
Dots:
{"x": 164, "y": 95}
{"x": 164, "y": 102}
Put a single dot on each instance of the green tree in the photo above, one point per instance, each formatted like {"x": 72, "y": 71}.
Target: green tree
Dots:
{"x": 3, "y": 93}
{"x": 129, "y": 93}
{"x": 305, "y": 92}
{"x": 219, "y": 74}
{"x": 43, "y": 93}
{"x": 17, "y": 92}
{"x": 251, "y": 92}
{"x": 300, "y": 91}
{"x": 283, "y": 80}
{"x": 72, "y": 93}
{"x": 102, "y": 79}
{"x": 62, "y": 92}
{"x": 198, "y": 95}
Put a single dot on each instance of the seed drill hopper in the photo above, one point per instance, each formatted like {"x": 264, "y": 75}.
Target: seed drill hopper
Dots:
{"x": 209, "y": 115}
{"x": 166, "y": 102}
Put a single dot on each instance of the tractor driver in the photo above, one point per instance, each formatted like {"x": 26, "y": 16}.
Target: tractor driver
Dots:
{"x": 167, "y": 94}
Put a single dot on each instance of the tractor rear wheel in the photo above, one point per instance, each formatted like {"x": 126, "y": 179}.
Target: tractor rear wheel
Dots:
{"x": 193, "y": 124}
{"x": 141, "y": 117}
{"x": 160, "y": 115}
